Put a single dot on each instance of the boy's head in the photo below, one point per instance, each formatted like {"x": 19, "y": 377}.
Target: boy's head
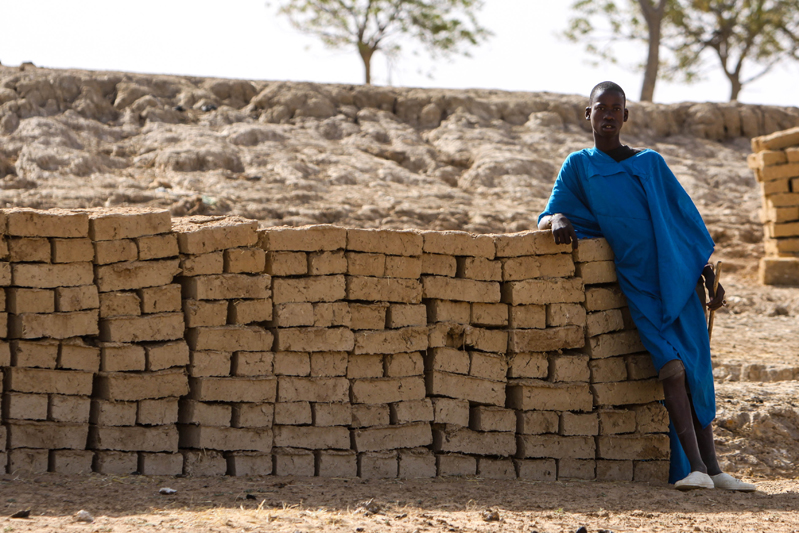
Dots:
{"x": 607, "y": 111}
{"x": 606, "y": 86}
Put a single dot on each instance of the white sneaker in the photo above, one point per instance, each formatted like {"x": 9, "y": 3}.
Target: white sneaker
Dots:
{"x": 695, "y": 480}
{"x": 727, "y": 482}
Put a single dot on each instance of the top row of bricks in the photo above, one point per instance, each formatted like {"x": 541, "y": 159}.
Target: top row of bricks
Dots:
{"x": 205, "y": 234}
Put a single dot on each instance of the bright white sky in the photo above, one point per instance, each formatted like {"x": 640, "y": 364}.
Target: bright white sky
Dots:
{"x": 246, "y": 39}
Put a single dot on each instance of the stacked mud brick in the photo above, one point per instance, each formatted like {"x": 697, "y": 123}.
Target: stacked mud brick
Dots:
{"x": 51, "y": 302}
{"x": 776, "y": 164}
{"x": 466, "y": 362}
{"x": 226, "y": 420}
{"x": 629, "y": 423}
{"x": 143, "y": 356}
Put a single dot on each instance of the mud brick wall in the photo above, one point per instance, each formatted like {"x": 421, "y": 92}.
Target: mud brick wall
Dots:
{"x": 775, "y": 161}
{"x": 134, "y": 341}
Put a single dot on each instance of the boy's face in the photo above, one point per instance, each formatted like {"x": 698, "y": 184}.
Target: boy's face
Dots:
{"x": 607, "y": 114}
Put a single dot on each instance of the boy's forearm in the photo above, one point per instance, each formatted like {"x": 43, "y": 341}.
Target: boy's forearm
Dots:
{"x": 545, "y": 222}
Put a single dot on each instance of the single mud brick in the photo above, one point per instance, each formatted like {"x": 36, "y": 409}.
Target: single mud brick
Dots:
{"x": 403, "y": 267}
{"x": 604, "y": 298}
{"x": 71, "y": 250}
{"x": 439, "y": 265}
{"x": 329, "y": 364}
{"x": 164, "y": 299}
{"x": 790, "y": 229}
{"x": 367, "y": 415}
{"x": 523, "y": 244}
{"x": 27, "y": 460}
{"x": 249, "y": 311}
{"x": 450, "y": 411}
{"x": 113, "y": 304}
{"x": 49, "y": 435}
{"x": 203, "y": 414}
{"x": 627, "y": 392}
{"x": 197, "y": 313}
{"x": 229, "y": 286}
{"x": 466, "y": 388}
{"x": 70, "y": 462}
{"x": 164, "y": 355}
{"x": 544, "y": 266}
{"x": 449, "y": 439}
{"x": 782, "y": 247}
{"x": 484, "y": 418}
{"x": 404, "y": 364}
{"x": 545, "y": 340}
{"x": 286, "y": 263}
{"x": 111, "y": 413}
{"x": 46, "y": 276}
{"x": 253, "y": 415}
{"x": 314, "y": 339}
{"x": 365, "y": 264}
{"x": 209, "y": 363}
{"x": 489, "y": 314}
{"x": 533, "y": 394}
{"x": 602, "y": 322}
{"x": 651, "y": 472}
{"x": 555, "y": 446}
{"x": 640, "y": 366}
{"x": 293, "y": 389}
{"x": 293, "y": 462}
{"x": 378, "y": 465}
{"x": 245, "y": 260}
{"x": 107, "y": 252}
{"x": 774, "y": 187}
{"x": 636, "y": 447}
{"x": 792, "y": 154}
{"x": 528, "y": 365}
{"x": 292, "y": 315}
{"x": 336, "y": 463}
{"x": 455, "y": 465}
{"x": 448, "y": 311}
{"x": 230, "y": 338}
{"x": 53, "y": 325}
{"x": 383, "y": 290}
{"x": 614, "y": 470}
{"x": 584, "y": 469}
{"x": 203, "y": 463}
{"x": 390, "y": 242}
{"x": 157, "y": 246}
{"x": 127, "y": 386}
{"x": 536, "y": 422}
{"x": 585, "y": 424}
{"x": 528, "y": 316}
{"x": 488, "y": 366}
{"x": 5, "y": 349}
{"x": 779, "y": 271}
{"x": 416, "y": 463}
{"x": 592, "y": 250}
{"x": 782, "y": 199}
{"x": 159, "y": 412}
{"x": 776, "y": 172}
{"x": 411, "y": 411}
{"x": 115, "y": 463}
{"x": 616, "y": 421}
{"x": 332, "y": 314}
{"x": 327, "y": 263}
{"x": 368, "y": 316}
{"x": 608, "y": 370}
{"x": 25, "y": 222}
{"x": 364, "y": 366}
{"x": 160, "y": 464}
{"x": 201, "y": 234}
{"x": 230, "y": 389}
{"x": 202, "y": 265}
{"x": 21, "y": 300}
{"x": 570, "y": 367}
{"x": 543, "y": 291}
{"x": 249, "y": 464}
{"x": 486, "y": 340}
{"x": 610, "y": 344}
{"x": 779, "y": 215}
{"x": 119, "y": 357}
{"x": 69, "y": 299}
{"x": 309, "y": 289}
{"x": 135, "y": 274}
{"x": 405, "y": 315}
{"x": 314, "y": 238}
{"x": 252, "y": 364}
{"x": 34, "y": 354}
{"x": 536, "y": 469}
{"x": 312, "y": 438}
{"x": 226, "y": 439}
{"x": 128, "y": 222}
{"x": 651, "y": 418}
{"x": 458, "y": 243}
{"x": 156, "y": 327}
{"x": 331, "y": 414}
{"x": 293, "y": 414}
{"x": 766, "y": 158}
{"x": 292, "y": 364}
{"x": 465, "y": 290}
{"x": 75, "y": 354}
{"x": 488, "y": 468}
{"x": 565, "y": 315}
{"x": 390, "y": 341}
{"x": 18, "y": 406}
{"x": 387, "y": 390}
{"x": 392, "y": 437}
{"x": 479, "y": 268}
{"x": 29, "y": 250}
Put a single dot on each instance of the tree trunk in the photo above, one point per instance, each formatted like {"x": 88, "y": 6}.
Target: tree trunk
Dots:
{"x": 366, "y": 56}
{"x": 735, "y": 87}
{"x": 653, "y": 15}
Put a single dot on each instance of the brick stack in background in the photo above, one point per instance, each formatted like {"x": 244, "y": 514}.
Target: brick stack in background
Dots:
{"x": 391, "y": 414}
{"x": 311, "y": 325}
{"x": 5, "y": 349}
{"x": 632, "y": 425}
{"x": 776, "y": 164}
{"x": 51, "y": 302}
{"x": 142, "y": 352}
{"x": 226, "y": 420}
{"x": 548, "y": 387}
{"x": 466, "y": 361}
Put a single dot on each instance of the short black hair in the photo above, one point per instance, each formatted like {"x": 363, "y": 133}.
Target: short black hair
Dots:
{"x": 606, "y": 86}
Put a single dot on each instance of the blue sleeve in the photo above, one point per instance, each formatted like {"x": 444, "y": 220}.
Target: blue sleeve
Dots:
{"x": 568, "y": 199}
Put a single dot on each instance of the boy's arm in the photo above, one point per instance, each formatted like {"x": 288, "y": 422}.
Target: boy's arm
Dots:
{"x": 717, "y": 299}
{"x": 562, "y": 229}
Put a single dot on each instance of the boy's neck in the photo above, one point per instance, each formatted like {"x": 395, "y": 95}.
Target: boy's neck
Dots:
{"x": 606, "y": 145}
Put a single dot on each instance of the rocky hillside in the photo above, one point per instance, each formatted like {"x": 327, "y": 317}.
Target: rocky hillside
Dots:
{"x": 299, "y": 153}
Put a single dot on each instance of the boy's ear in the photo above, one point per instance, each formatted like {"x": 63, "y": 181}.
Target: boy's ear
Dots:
{"x": 626, "y": 114}
{"x": 588, "y": 113}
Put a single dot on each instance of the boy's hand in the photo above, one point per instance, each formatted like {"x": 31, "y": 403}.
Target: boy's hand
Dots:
{"x": 563, "y": 231}
{"x": 717, "y": 299}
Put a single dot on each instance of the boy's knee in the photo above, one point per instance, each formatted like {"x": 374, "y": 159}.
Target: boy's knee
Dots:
{"x": 672, "y": 369}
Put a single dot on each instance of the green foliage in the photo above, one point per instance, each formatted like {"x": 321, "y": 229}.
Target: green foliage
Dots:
{"x": 443, "y": 27}
{"x": 621, "y": 20}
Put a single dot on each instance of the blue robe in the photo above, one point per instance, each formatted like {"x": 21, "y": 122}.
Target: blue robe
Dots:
{"x": 661, "y": 246}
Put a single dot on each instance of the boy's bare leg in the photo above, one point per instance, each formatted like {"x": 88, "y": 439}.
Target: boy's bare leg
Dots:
{"x": 681, "y": 413}
{"x": 707, "y": 447}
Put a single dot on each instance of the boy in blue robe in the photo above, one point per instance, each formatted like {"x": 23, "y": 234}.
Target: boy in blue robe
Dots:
{"x": 661, "y": 247}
